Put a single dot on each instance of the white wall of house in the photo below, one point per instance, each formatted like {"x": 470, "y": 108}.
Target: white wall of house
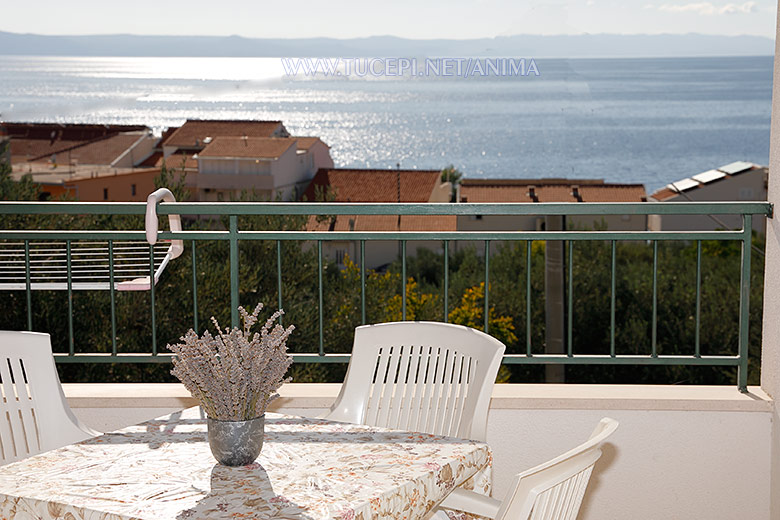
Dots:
{"x": 137, "y": 152}
{"x": 287, "y": 171}
{"x": 770, "y": 341}
{"x": 320, "y": 154}
{"x": 230, "y": 175}
{"x": 169, "y": 150}
{"x": 234, "y": 166}
{"x": 747, "y": 186}
{"x": 681, "y": 452}
{"x": 211, "y": 185}
{"x": 292, "y": 177}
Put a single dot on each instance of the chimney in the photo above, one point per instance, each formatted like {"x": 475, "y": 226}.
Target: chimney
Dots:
{"x": 575, "y": 192}
{"x": 532, "y": 193}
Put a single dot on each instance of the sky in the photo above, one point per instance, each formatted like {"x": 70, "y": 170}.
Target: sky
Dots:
{"x": 458, "y": 19}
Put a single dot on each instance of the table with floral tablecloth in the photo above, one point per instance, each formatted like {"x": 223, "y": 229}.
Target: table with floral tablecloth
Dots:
{"x": 309, "y": 469}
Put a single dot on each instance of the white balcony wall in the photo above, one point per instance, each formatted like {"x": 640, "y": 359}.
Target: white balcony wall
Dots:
{"x": 694, "y": 453}
{"x": 770, "y": 347}
{"x": 321, "y": 158}
{"x": 748, "y": 186}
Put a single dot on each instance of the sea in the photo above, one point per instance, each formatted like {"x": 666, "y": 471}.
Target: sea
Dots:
{"x": 644, "y": 120}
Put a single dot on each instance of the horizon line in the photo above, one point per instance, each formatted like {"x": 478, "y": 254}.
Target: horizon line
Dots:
{"x": 495, "y": 37}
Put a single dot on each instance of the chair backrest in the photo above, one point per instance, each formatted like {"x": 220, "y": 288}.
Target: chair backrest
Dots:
{"x": 34, "y": 415}
{"x": 420, "y": 376}
{"x": 555, "y": 489}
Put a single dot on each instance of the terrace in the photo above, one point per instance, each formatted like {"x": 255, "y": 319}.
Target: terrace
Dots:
{"x": 698, "y": 451}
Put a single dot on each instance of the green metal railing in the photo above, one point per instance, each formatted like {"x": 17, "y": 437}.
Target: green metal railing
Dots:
{"x": 233, "y": 235}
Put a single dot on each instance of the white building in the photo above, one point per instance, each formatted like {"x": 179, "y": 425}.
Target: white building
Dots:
{"x": 274, "y": 167}
{"x": 195, "y": 134}
{"x": 740, "y": 181}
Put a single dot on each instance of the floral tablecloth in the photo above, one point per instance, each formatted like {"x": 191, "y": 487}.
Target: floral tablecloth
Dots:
{"x": 309, "y": 469}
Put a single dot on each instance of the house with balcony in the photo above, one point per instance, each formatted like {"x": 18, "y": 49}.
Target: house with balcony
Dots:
{"x": 210, "y": 176}
{"x": 195, "y": 134}
{"x": 272, "y": 167}
{"x": 738, "y": 180}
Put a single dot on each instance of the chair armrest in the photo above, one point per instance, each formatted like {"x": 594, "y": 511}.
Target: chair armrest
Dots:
{"x": 470, "y": 502}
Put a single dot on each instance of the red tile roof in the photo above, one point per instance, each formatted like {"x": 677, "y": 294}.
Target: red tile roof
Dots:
{"x": 66, "y": 132}
{"x": 192, "y": 133}
{"x": 549, "y": 190}
{"x": 349, "y": 185}
{"x": 304, "y": 143}
{"x": 151, "y": 161}
{"x": 173, "y": 161}
{"x": 103, "y": 151}
{"x": 249, "y": 147}
{"x": 23, "y": 149}
{"x": 353, "y": 185}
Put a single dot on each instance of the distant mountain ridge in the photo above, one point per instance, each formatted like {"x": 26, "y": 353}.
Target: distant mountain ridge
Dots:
{"x": 525, "y": 46}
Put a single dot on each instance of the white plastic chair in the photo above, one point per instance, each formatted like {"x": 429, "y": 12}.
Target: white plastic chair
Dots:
{"x": 420, "y": 376}
{"x": 34, "y": 415}
{"x": 551, "y": 491}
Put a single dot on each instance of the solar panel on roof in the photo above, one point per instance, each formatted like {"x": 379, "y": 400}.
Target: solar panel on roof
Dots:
{"x": 682, "y": 185}
{"x": 708, "y": 176}
{"x": 736, "y": 167}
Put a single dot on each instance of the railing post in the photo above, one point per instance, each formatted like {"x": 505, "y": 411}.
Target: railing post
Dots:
{"x": 570, "y": 310}
{"x": 403, "y": 280}
{"x": 194, "y": 288}
{"x": 362, "y": 282}
{"x": 654, "y": 323}
{"x": 234, "y": 301}
{"x": 152, "y": 299}
{"x": 612, "y": 298}
{"x": 697, "y": 338}
{"x": 321, "y": 321}
{"x": 112, "y": 290}
{"x": 744, "y": 302}
{"x": 446, "y": 280}
{"x": 486, "y": 327}
{"x": 528, "y": 297}
{"x": 71, "y": 348}
{"x": 28, "y": 283}
{"x": 279, "y": 278}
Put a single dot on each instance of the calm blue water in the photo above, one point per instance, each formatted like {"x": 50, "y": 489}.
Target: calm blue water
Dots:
{"x": 625, "y": 120}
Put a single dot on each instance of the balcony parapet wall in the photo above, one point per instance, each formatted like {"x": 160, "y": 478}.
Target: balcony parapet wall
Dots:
{"x": 698, "y": 452}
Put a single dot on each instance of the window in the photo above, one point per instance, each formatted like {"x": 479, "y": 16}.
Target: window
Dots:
{"x": 105, "y": 193}
{"x": 132, "y": 190}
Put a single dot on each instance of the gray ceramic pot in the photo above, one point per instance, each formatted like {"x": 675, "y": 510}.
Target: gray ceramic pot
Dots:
{"x": 236, "y": 443}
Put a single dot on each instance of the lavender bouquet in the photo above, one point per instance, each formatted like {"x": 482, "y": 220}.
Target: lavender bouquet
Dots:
{"x": 235, "y": 374}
